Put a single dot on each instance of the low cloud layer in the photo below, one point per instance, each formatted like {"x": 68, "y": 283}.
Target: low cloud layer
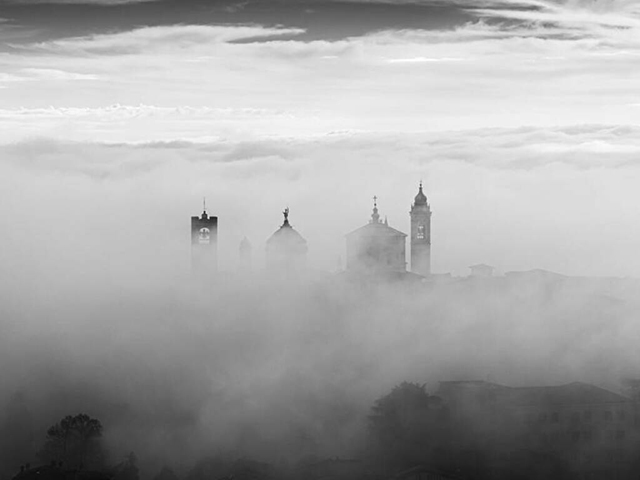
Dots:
{"x": 560, "y": 199}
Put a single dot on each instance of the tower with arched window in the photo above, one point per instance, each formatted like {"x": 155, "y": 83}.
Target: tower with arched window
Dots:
{"x": 420, "y": 234}
{"x": 204, "y": 245}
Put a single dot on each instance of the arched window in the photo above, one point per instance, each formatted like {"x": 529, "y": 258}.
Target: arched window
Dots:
{"x": 204, "y": 236}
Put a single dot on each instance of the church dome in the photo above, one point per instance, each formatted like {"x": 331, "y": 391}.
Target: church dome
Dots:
{"x": 286, "y": 248}
{"x": 286, "y": 237}
{"x": 287, "y": 234}
{"x": 421, "y": 198}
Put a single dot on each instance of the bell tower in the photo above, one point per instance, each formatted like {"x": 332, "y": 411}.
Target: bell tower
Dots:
{"x": 204, "y": 245}
{"x": 420, "y": 234}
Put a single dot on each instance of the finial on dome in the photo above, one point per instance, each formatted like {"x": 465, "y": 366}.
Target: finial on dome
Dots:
{"x": 286, "y": 217}
{"x": 375, "y": 216}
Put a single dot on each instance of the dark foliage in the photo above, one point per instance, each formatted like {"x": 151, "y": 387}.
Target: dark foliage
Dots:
{"x": 76, "y": 442}
{"x": 406, "y": 426}
{"x": 241, "y": 469}
{"x": 166, "y": 473}
{"x": 127, "y": 470}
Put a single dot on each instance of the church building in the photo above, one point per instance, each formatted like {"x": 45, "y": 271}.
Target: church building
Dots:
{"x": 286, "y": 248}
{"x": 376, "y": 248}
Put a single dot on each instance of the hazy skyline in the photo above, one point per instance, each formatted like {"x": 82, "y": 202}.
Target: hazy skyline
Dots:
{"x": 521, "y": 117}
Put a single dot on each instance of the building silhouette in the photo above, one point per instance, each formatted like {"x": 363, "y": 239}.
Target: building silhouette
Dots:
{"x": 572, "y": 431}
{"x": 204, "y": 246}
{"x": 420, "y": 234}
{"x": 376, "y": 248}
{"x": 286, "y": 249}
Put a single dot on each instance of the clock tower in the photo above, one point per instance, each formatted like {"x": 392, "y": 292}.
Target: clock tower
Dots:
{"x": 204, "y": 245}
{"x": 421, "y": 234}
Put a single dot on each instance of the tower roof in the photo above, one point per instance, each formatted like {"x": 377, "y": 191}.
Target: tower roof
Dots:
{"x": 376, "y": 228}
{"x": 421, "y": 198}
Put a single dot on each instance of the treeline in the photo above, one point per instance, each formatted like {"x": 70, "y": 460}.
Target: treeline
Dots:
{"x": 406, "y": 428}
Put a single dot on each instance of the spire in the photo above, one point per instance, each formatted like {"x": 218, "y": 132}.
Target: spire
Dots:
{"x": 205, "y": 216}
{"x": 245, "y": 245}
{"x": 286, "y": 217}
{"x": 421, "y": 198}
{"x": 375, "y": 216}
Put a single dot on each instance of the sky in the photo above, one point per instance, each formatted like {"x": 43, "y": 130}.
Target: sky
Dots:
{"x": 521, "y": 117}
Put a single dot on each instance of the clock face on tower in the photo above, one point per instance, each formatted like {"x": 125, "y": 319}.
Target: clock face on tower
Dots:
{"x": 204, "y": 236}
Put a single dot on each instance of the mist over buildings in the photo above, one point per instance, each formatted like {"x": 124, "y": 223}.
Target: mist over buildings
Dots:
{"x": 101, "y": 315}
{"x": 118, "y": 117}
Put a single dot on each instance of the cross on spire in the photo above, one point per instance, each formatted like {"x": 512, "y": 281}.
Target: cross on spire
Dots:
{"x": 375, "y": 216}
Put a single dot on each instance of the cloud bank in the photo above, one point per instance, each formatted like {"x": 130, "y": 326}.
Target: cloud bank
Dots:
{"x": 78, "y": 2}
{"x": 560, "y": 199}
{"x": 576, "y": 67}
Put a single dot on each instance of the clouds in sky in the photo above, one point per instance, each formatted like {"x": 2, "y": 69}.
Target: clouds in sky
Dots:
{"x": 254, "y": 108}
{"x": 557, "y": 63}
{"x": 78, "y": 2}
{"x": 469, "y": 77}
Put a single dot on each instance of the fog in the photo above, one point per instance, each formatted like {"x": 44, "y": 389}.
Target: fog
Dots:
{"x": 100, "y": 315}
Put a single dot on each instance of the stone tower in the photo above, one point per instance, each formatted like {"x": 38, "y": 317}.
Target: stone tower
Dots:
{"x": 421, "y": 234}
{"x": 204, "y": 246}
